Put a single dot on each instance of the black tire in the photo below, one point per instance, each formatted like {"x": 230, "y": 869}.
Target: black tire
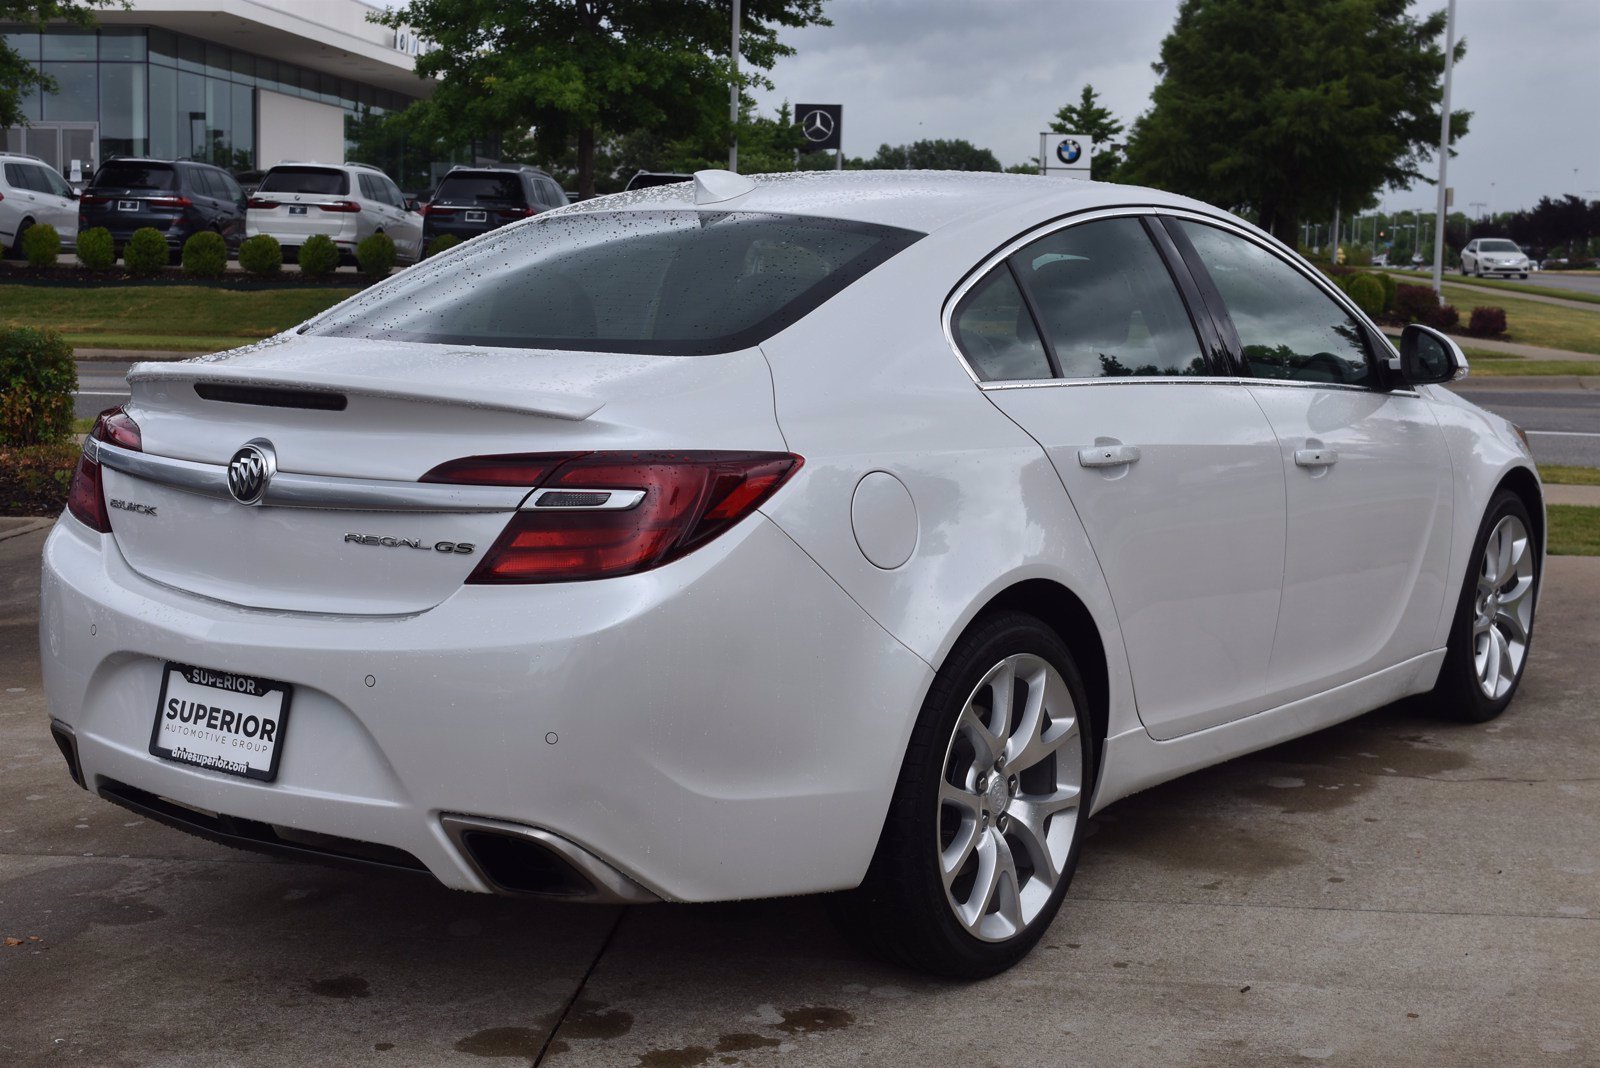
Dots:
{"x": 16, "y": 244}
{"x": 900, "y": 912}
{"x": 1458, "y": 695}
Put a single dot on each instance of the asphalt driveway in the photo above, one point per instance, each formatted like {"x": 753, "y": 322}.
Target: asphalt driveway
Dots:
{"x": 1394, "y": 891}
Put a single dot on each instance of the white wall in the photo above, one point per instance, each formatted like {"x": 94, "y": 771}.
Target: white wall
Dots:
{"x": 288, "y": 127}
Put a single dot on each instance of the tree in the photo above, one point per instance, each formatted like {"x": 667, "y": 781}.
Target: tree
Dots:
{"x": 939, "y": 155}
{"x": 1088, "y": 119}
{"x": 1289, "y": 108}
{"x": 18, "y": 77}
{"x": 569, "y": 70}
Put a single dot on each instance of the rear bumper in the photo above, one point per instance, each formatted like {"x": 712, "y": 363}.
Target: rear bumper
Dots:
{"x": 342, "y": 233}
{"x": 728, "y": 726}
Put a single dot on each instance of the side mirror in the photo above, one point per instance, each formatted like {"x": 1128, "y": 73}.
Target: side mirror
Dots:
{"x": 1428, "y": 357}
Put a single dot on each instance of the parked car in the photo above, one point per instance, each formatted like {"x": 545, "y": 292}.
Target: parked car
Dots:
{"x": 31, "y": 192}
{"x": 249, "y": 181}
{"x": 474, "y": 200}
{"x": 1493, "y": 255}
{"x": 651, "y": 179}
{"x": 346, "y": 202}
{"x": 180, "y": 198}
{"x": 860, "y": 531}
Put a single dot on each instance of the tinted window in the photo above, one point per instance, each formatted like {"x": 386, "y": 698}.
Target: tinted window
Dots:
{"x": 18, "y": 176}
{"x": 554, "y": 195}
{"x": 131, "y": 174}
{"x": 1288, "y": 327}
{"x": 369, "y": 187}
{"x": 1498, "y": 246}
{"x": 230, "y": 188}
{"x": 51, "y": 182}
{"x": 996, "y": 332}
{"x": 1107, "y": 304}
{"x": 211, "y": 183}
{"x": 667, "y": 282}
{"x": 391, "y": 191}
{"x": 481, "y": 188}
{"x": 316, "y": 180}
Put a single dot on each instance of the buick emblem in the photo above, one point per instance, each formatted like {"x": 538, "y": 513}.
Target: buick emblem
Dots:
{"x": 251, "y": 468}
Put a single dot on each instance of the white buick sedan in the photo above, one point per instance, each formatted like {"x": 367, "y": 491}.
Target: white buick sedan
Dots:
{"x": 856, "y": 532}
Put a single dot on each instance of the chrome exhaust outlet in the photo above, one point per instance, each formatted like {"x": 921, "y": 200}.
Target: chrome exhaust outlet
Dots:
{"x": 527, "y": 862}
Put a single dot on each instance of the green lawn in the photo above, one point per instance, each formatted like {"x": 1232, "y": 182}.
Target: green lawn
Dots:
{"x": 1563, "y": 475}
{"x": 1499, "y": 365}
{"x": 1574, "y": 530}
{"x": 1524, "y": 287}
{"x": 182, "y": 318}
{"x": 1532, "y": 323}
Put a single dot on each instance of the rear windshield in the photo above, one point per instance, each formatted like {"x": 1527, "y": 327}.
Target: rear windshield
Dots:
{"x": 678, "y": 283}
{"x": 319, "y": 180}
{"x": 482, "y": 188}
{"x": 1499, "y": 246}
{"x": 130, "y": 174}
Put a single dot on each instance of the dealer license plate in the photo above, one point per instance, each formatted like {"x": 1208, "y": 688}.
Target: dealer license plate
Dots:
{"x": 297, "y": 209}
{"x": 217, "y": 720}
{"x": 127, "y": 205}
{"x": 477, "y": 216}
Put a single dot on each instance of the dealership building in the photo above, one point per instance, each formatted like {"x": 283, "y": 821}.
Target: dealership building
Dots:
{"x": 239, "y": 83}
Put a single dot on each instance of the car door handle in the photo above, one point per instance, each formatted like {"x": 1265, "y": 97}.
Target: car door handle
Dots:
{"x": 1321, "y": 457}
{"x": 1108, "y": 455}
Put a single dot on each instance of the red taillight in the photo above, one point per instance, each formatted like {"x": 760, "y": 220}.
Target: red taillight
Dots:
{"x": 261, "y": 203}
{"x": 340, "y": 205}
{"x": 93, "y": 198}
{"x": 517, "y": 469}
{"x": 515, "y": 213}
{"x": 688, "y": 499}
{"x": 438, "y": 209}
{"x": 168, "y": 202}
{"x": 85, "y": 497}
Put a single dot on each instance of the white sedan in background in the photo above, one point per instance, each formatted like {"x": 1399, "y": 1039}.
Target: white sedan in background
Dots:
{"x": 1494, "y": 255}
{"x": 742, "y": 538}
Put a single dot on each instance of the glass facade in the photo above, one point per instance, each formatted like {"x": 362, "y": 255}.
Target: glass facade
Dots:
{"x": 162, "y": 94}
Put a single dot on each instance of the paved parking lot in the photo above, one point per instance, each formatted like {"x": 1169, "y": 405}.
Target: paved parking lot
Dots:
{"x": 1395, "y": 891}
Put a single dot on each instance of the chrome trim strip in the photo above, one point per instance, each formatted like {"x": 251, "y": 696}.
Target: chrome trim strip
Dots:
{"x": 611, "y": 887}
{"x": 290, "y": 490}
{"x": 617, "y": 500}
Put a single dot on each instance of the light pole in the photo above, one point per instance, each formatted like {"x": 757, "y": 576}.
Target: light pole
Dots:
{"x": 733, "y": 97}
{"x": 1444, "y": 149}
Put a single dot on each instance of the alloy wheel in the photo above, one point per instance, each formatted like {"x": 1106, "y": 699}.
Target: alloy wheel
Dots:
{"x": 1009, "y": 797}
{"x": 1502, "y": 608}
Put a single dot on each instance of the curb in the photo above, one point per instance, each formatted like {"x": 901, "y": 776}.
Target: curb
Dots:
{"x": 16, "y": 527}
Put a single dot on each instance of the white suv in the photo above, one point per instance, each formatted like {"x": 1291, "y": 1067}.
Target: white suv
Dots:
{"x": 346, "y": 202}
{"x": 32, "y": 192}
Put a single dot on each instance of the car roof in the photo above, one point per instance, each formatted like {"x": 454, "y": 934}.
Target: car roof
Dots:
{"x": 914, "y": 200}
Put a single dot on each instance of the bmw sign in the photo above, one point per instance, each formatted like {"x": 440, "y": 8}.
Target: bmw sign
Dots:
{"x": 1068, "y": 151}
{"x": 1065, "y": 155}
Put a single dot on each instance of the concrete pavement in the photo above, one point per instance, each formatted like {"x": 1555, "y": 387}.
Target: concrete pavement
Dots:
{"x": 1393, "y": 891}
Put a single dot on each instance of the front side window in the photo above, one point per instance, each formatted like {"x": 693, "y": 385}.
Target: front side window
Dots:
{"x": 673, "y": 282}
{"x": 1107, "y": 304}
{"x": 995, "y": 331}
{"x": 1288, "y": 327}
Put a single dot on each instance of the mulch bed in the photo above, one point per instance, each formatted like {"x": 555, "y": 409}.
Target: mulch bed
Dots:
{"x": 34, "y": 478}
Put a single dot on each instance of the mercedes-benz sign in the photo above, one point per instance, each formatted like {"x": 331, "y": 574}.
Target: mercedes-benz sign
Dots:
{"x": 251, "y": 468}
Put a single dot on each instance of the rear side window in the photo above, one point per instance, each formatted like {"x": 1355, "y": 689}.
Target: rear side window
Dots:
{"x": 482, "y": 189}
{"x": 323, "y": 181}
{"x": 1288, "y": 327}
{"x": 678, "y": 283}
{"x": 370, "y": 188}
{"x": 995, "y": 331}
{"x": 131, "y": 174}
{"x": 19, "y": 176}
{"x": 1107, "y": 304}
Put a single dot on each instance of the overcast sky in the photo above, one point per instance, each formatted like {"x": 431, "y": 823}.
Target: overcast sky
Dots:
{"x": 995, "y": 72}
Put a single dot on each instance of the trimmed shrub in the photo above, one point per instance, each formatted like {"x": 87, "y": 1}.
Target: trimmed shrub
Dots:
{"x": 1443, "y": 317}
{"x": 261, "y": 255}
{"x": 375, "y": 255}
{"x": 1389, "y": 286}
{"x": 146, "y": 252}
{"x": 1487, "y": 322}
{"x": 41, "y": 245}
{"x": 205, "y": 255}
{"x": 96, "y": 250}
{"x": 37, "y": 380}
{"x": 1414, "y": 304}
{"x": 442, "y": 243}
{"x": 319, "y": 256}
{"x": 1367, "y": 292}
{"x": 34, "y": 478}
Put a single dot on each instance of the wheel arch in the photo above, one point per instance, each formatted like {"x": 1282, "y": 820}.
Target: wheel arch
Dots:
{"x": 1525, "y": 484}
{"x": 1065, "y": 613}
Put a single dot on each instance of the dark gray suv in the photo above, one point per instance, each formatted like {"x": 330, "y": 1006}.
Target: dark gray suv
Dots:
{"x": 474, "y": 200}
{"x": 177, "y": 197}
